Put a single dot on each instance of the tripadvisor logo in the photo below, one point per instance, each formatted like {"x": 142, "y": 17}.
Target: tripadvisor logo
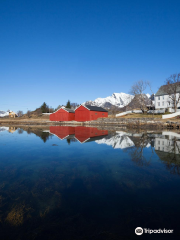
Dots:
{"x": 139, "y": 231}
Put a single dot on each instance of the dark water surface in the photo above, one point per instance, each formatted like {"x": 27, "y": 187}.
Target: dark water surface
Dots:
{"x": 83, "y": 183}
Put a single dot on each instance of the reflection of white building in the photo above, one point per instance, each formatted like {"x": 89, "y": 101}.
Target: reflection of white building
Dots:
{"x": 168, "y": 143}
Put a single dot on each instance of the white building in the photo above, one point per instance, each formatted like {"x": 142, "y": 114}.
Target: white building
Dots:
{"x": 163, "y": 101}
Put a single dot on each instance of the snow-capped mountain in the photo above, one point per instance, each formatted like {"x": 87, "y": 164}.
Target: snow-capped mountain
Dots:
{"x": 4, "y": 114}
{"x": 117, "y": 99}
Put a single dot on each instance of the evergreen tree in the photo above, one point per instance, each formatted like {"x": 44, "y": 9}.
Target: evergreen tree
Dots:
{"x": 44, "y": 108}
{"x": 68, "y": 105}
{"x": 58, "y": 107}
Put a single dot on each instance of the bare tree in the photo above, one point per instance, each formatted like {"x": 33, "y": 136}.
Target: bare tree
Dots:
{"x": 38, "y": 112}
{"x": 74, "y": 105}
{"x": 20, "y": 113}
{"x": 172, "y": 88}
{"x": 28, "y": 113}
{"x": 140, "y": 98}
{"x": 113, "y": 110}
{"x": 58, "y": 107}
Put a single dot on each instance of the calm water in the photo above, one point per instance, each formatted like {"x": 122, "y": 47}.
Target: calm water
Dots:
{"x": 83, "y": 183}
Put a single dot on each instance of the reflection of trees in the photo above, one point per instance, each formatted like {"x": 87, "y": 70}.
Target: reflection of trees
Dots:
{"x": 69, "y": 140}
{"x": 44, "y": 136}
{"x": 136, "y": 153}
{"x": 20, "y": 130}
{"x": 37, "y": 131}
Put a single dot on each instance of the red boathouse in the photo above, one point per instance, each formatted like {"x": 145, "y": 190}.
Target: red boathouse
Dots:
{"x": 62, "y": 114}
{"x": 63, "y": 132}
{"x": 88, "y": 113}
{"x": 86, "y": 134}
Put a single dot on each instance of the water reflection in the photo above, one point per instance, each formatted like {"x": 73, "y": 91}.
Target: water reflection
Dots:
{"x": 102, "y": 189}
{"x": 167, "y": 147}
{"x": 9, "y": 129}
{"x": 82, "y": 134}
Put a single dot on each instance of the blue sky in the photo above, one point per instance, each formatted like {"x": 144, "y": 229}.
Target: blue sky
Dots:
{"x": 57, "y": 50}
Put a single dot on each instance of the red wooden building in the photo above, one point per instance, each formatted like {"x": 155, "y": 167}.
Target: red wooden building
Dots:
{"x": 62, "y": 114}
{"x": 63, "y": 132}
{"x": 84, "y": 134}
{"x": 88, "y": 113}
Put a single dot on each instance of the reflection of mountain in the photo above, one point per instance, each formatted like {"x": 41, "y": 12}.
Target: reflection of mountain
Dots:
{"x": 9, "y": 129}
{"x": 124, "y": 140}
{"x": 4, "y": 129}
{"x": 121, "y": 140}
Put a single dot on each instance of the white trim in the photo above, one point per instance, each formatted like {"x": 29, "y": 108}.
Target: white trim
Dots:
{"x": 84, "y": 140}
{"x": 60, "y": 108}
{"x": 59, "y": 137}
{"x": 83, "y": 106}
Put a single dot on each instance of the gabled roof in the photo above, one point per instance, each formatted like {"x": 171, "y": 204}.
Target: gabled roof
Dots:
{"x": 66, "y": 109}
{"x": 162, "y": 91}
{"x": 69, "y": 110}
{"x": 90, "y": 139}
{"x": 93, "y": 108}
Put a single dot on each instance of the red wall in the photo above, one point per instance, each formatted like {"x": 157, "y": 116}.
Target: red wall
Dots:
{"x": 95, "y": 115}
{"x": 82, "y": 114}
{"x": 62, "y": 115}
{"x": 62, "y": 131}
{"x": 83, "y": 133}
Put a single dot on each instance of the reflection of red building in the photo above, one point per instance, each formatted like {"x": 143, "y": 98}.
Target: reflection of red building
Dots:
{"x": 62, "y": 131}
{"x": 88, "y": 113}
{"x": 84, "y": 134}
{"x": 62, "y": 114}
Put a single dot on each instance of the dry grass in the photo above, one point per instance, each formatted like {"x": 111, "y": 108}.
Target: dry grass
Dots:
{"x": 26, "y": 118}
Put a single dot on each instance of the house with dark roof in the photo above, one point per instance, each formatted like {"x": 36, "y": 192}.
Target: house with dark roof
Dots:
{"x": 163, "y": 101}
{"x": 62, "y": 114}
{"x": 88, "y": 113}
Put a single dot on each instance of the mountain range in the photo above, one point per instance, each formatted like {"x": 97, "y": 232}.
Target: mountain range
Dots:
{"x": 119, "y": 100}
{"x": 4, "y": 114}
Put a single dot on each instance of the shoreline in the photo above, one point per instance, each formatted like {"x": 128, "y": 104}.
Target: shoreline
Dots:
{"x": 129, "y": 123}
